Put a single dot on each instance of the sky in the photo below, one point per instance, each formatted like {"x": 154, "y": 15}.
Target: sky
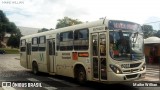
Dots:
{"x": 45, "y": 13}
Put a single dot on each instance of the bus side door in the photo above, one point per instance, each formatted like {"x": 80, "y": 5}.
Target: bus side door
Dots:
{"x": 99, "y": 49}
{"x": 28, "y": 59}
{"x": 51, "y": 53}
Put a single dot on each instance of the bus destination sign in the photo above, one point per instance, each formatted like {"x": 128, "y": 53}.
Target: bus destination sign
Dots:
{"x": 122, "y": 25}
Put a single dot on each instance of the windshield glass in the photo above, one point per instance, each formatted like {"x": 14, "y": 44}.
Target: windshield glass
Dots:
{"x": 126, "y": 45}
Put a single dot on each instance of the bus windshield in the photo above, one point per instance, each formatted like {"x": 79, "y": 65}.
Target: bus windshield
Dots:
{"x": 126, "y": 45}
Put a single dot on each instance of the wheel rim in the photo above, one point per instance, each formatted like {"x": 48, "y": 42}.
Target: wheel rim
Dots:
{"x": 81, "y": 76}
{"x": 34, "y": 70}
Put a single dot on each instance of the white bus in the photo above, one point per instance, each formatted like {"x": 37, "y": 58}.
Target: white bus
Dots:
{"x": 101, "y": 51}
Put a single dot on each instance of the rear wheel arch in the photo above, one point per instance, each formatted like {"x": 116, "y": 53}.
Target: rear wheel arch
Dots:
{"x": 80, "y": 73}
{"x": 35, "y": 69}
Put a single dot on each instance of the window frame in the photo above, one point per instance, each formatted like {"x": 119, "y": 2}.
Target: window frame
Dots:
{"x": 68, "y": 40}
{"x": 79, "y": 39}
{"x": 58, "y": 41}
{"x": 42, "y": 46}
{"x": 33, "y": 41}
{"x": 21, "y": 44}
{"x": 35, "y": 46}
{"x": 43, "y": 38}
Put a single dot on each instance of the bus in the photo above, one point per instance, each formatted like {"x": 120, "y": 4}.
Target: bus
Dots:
{"x": 101, "y": 51}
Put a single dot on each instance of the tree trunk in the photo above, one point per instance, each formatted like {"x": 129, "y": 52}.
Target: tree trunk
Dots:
{"x": 0, "y": 44}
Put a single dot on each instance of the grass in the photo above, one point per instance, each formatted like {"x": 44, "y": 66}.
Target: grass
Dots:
{"x": 10, "y": 51}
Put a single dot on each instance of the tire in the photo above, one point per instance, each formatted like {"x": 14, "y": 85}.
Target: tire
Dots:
{"x": 81, "y": 75}
{"x": 35, "y": 68}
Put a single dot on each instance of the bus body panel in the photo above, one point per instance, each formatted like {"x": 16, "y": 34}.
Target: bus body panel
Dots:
{"x": 63, "y": 62}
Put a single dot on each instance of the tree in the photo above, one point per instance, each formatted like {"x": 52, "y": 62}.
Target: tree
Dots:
{"x": 8, "y": 27}
{"x": 157, "y": 34}
{"x": 43, "y": 30}
{"x": 14, "y": 40}
{"x": 66, "y": 21}
{"x": 147, "y": 30}
{"x": 3, "y": 23}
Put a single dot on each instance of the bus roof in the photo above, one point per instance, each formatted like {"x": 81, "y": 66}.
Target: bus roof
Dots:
{"x": 74, "y": 27}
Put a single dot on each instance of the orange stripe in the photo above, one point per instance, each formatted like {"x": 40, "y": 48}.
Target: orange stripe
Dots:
{"x": 83, "y": 54}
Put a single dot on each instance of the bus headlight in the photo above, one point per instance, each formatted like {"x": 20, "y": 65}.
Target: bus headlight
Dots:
{"x": 115, "y": 69}
{"x": 143, "y": 67}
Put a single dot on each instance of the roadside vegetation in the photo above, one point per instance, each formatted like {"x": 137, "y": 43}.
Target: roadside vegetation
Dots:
{"x": 10, "y": 51}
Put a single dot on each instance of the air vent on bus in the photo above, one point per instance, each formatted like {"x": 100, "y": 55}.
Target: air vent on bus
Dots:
{"x": 131, "y": 71}
{"x": 131, "y": 76}
{"x": 134, "y": 65}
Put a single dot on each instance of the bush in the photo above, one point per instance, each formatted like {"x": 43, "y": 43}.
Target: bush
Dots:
{"x": 10, "y": 51}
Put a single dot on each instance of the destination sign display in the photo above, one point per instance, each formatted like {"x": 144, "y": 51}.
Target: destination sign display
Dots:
{"x": 125, "y": 25}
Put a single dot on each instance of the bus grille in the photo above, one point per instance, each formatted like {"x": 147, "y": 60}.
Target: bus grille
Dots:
{"x": 131, "y": 71}
{"x": 134, "y": 65}
{"x": 131, "y": 76}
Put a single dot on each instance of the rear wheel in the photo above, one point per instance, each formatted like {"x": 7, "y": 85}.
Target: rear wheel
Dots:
{"x": 81, "y": 75}
{"x": 35, "y": 68}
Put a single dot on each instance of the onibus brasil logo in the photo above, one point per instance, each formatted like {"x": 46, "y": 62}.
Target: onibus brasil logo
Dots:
{"x": 15, "y": 84}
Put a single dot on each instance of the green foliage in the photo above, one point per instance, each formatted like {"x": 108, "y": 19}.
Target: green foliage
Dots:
{"x": 13, "y": 41}
{"x": 3, "y": 18}
{"x": 147, "y": 30}
{"x": 3, "y": 22}
{"x": 43, "y": 30}
{"x": 157, "y": 34}
{"x": 11, "y": 28}
{"x": 66, "y": 21}
{"x": 10, "y": 51}
{"x": 8, "y": 27}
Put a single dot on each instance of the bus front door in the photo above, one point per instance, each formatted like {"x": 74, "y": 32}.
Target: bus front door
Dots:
{"x": 99, "y": 63}
{"x": 28, "y": 60}
{"x": 51, "y": 49}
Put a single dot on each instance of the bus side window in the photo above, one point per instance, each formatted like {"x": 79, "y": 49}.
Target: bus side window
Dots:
{"x": 42, "y": 41}
{"x": 75, "y": 35}
{"x": 61, "y": 37}
{"x": 95, "y": 45}
{"x": 57, "y": 42}
{"x": 102, "y": 44}
{"x": 23, "y": 45}
{"x": 35, "y": 44}
{"x": 81, "y": 39}
{"x": 66, "y": 41}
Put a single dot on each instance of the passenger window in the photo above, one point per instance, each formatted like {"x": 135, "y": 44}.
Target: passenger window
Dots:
{"x": 81, "y": 39}
{"x": 35, "y": 44}
{"x": 23, "y": 42}
{"x": 42, "y": 45}
{"x": 57, "y": 42}
{"x": 35, "y": 40}
{"x": 42, "y": 39}
{"x": 66, "y": 41}
{"x": 23, "y": 45}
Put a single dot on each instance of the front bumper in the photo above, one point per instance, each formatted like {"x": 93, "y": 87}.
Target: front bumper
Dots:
{"x": 126, "y": 77}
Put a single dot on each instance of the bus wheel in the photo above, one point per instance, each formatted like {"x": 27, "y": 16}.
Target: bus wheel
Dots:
{"x": 35, "y": 68}
{"x": 81, "y": 75}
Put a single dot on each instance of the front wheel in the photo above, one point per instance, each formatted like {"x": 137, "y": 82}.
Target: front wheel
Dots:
{"x": 35, "y": 68}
